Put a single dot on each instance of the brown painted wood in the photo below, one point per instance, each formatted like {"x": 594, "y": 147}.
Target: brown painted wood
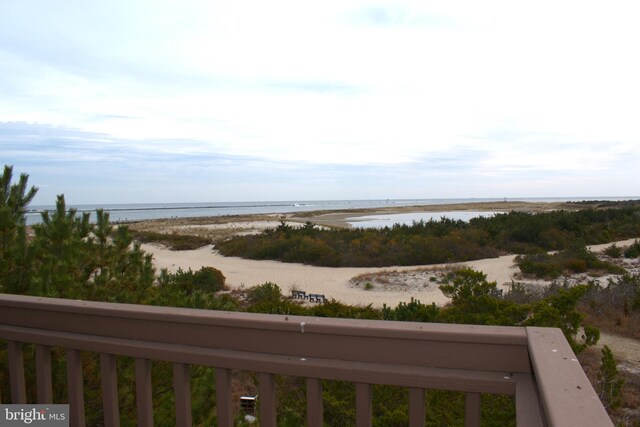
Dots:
{"x": 144, "y": 393}
{"x": 363, "y": 405}
{"x": 566, "y": 393}
{"x": 314, "y": 403}
{"x": 472, "y": 359}
{"x": 16, "y": 372}
{"x": 460, "y": 346}
{"x": 472, "y": 410}
{"x": 182, "y": 390}
{"x": 391, "y": 374}
{"x": 43, "y": 374}
{"x": 109, "y": 378}
{"x": 417, "y": 404}
{"x": 76, "y": 389}
{"x": 224, "y": 405}
{"x": 528, "y": 409}
{"x": 267, "y": 399}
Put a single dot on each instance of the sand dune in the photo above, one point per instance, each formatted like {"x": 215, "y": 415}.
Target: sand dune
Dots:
{"x": 332, "y": 282}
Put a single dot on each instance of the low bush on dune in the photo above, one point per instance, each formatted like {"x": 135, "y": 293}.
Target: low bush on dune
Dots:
{"x": 578, "y": 259}
{"x": 633, "y": 251}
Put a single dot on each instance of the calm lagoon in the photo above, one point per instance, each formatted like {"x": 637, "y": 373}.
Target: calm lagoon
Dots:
{"x": 388, "y": 220}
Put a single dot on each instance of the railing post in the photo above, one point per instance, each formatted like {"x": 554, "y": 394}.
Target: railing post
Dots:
{"x": 224, "y": 405}
{"x": 76, "y": 389}
{"x": 182, "y": 387}
{"x": 472, "y": 410}
{"x": 43, "y": 374}
{"x": 363, "y": 405}
{"x": 144, "y": 403}
{"x": 267, "y": 396}
{"x": 314, "y": 402}
{"x": 16, "y": 372}
{"x": 416, "y": 407}
{"x": 109, "y": 390}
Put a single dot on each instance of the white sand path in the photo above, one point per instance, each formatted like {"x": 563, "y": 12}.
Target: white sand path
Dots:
{"x": 329, "y": 281}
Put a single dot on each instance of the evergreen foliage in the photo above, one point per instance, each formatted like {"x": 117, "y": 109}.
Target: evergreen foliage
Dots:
{"x": 610, "y": 380}
{"x": 444, "y": 240}
{"x": 14, "y": 199}
{"x": 633, "y": 251}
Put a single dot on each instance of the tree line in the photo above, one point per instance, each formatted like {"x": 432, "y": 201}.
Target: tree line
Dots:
{"x": 440, "y": 241}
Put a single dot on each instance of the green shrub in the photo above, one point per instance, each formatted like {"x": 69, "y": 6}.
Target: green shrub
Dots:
{"x": 266, "y": 292}
{"x": 613, "y": 251}
{"x": 577, "y": 259}
{"x": 633, "y": 251}
{"x": 538, "y": 265}
{"x": 610, "y": 381}
{"x": 207, "y": 279}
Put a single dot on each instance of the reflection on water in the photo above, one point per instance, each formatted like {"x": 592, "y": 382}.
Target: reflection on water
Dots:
{"x": 387, "y": 220}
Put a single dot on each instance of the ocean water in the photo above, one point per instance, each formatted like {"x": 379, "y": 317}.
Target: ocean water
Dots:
{"x": 141, "y": 212}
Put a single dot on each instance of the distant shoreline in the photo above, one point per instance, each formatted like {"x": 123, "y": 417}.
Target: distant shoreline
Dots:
{"x": 129, "y": 213}
{"x": 339, "y": 218}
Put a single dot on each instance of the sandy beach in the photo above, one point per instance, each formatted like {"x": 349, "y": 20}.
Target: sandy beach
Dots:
{"x": 400, "y": 284}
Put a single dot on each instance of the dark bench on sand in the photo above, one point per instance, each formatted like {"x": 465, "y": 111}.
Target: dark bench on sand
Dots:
{"x": 311, "y": 297}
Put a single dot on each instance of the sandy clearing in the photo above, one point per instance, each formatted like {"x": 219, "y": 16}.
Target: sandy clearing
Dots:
{"x": 330, "y": 281}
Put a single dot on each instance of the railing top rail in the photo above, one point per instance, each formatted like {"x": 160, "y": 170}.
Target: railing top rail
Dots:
{"x": 416, "y": 344}
{"x": 567, "y": 395}
{"x": 506, "y": 335}
{"x": 538, "y": 362}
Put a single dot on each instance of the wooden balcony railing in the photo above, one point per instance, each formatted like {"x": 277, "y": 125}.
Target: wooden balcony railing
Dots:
{"x": 536, "y": 365}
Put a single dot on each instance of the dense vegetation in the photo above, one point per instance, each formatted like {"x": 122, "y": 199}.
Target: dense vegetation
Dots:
{"x": 577, "y": 259}
{"x": 445, "y": 240}
{"x": 66, "y": 256}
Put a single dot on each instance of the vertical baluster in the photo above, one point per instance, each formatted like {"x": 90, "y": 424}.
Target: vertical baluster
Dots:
{"x": 43, "y": 374}
{"x": 363, "y": 405}
{"x": 16, "y": 372}
{"x": 267, "y": 392}
{"x": 144, "y": 404}
{"x": 416, "y": 407}
{"x": 182, "y": 388}
{"x": 472, "y": 410}
{"x": 224, "y": 407}
{"x": 76, "y": 392}
{"x": 109, "y": 377}
{"x": 314, "y": 402}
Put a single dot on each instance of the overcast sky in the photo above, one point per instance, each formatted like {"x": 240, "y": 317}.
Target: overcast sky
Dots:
{"x": 186, "y": 101}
